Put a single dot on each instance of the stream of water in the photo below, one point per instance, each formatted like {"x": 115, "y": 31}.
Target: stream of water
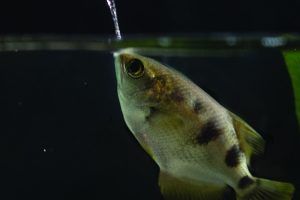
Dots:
{"x": 113, "y": 11}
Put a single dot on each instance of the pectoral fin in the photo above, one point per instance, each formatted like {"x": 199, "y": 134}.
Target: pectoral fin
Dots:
{"x": 173, "y": 188}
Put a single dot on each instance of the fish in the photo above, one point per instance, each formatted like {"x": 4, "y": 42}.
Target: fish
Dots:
{"x": 202, "y": 149}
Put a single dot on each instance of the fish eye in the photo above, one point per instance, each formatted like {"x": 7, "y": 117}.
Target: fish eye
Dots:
{"x": 135, "y": 68}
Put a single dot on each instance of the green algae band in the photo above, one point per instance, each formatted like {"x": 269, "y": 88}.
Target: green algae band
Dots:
{"x": 292, "y": 60}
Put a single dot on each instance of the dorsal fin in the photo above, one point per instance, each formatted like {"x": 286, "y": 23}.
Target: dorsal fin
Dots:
{"x": 250, "y": 141}
{"x": 174, "y": 188}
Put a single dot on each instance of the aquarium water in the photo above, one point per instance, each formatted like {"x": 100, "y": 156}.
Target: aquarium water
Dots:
{"x": 62, "y": 132}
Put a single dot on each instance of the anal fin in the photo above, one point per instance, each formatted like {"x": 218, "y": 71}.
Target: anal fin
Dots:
{"x": 173, "y": 188}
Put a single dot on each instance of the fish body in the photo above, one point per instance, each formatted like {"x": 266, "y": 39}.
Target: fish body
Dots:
{"x": 201, "y": 148}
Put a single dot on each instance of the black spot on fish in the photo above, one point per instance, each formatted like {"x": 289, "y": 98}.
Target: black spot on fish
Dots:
{"x": 233, "y": 155}
{"x": 152, "y": 111}
{"x": 245, "y": 182}
{"x": 197, "y": 106}
{"x": 177, "y": 95}
{"x": 208, "y": 133}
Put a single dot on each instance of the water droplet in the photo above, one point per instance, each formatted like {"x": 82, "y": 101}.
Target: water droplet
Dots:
{"x": 113, "y": 11}
{"x": 85, "y": 83}
{"x": 44, "y": 150}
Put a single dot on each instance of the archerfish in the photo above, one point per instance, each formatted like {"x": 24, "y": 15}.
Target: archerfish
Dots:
{"x": 201, "y": 148}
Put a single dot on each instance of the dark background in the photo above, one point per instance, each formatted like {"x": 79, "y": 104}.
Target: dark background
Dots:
{"x": 62, "y": 133}
{"x": 149, "y": 16}
{"x": 63, "y": 137}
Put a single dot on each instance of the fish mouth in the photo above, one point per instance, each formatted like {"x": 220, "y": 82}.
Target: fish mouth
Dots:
{"x": 121, "y": 58}
{"x": 119, "y": 68}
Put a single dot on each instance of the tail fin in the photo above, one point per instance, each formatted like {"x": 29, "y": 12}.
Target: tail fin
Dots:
{"x": 268, "y": 190}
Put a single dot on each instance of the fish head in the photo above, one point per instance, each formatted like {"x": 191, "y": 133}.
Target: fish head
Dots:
{"x": 145, "y": 89}
{"x": 154, "y": 101}
{"x": 141, "y": 81}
